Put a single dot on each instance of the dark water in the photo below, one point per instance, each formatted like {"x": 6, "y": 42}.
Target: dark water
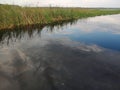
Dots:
{"x": 76, "y": 55}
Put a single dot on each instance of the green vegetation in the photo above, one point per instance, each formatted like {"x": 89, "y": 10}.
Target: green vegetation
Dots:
{"x": 11, "y": 15}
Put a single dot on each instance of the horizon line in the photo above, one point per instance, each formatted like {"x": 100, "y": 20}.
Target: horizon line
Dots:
{"x": 58, "y": 6}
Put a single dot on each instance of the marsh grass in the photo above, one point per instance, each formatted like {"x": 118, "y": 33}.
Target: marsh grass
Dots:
{"x": 11, "y": 15}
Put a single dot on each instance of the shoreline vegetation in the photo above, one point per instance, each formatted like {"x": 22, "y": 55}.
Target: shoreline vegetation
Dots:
{"x": 14, "y": 16}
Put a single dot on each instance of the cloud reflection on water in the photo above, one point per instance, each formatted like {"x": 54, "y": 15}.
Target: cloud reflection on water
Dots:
{"x": 47, "y": 62}
{"x": 46, "y": 59}
{"x": 110, "y": 23}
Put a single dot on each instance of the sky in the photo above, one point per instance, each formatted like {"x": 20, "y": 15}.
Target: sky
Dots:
{"x": 65, "y": 3}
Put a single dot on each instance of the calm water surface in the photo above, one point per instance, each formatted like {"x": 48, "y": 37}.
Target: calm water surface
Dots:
{"x": 77, "y": 55}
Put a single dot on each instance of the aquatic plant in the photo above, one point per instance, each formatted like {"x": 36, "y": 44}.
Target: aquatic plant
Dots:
{"x": 11, "y": 15}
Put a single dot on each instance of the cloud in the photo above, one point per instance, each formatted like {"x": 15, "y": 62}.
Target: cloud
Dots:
{"x": 66, "y": 3}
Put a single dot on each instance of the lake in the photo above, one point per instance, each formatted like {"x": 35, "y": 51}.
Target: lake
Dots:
{"x": 82, "y": 54}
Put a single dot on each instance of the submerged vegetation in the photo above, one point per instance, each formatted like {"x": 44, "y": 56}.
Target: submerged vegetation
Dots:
{"x": 11, "y": 15}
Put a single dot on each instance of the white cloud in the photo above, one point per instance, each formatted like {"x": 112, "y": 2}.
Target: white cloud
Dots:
{"x": 75, "y": 3}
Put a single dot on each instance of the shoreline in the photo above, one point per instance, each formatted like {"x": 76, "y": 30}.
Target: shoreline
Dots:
{"x": 16, "y": 16}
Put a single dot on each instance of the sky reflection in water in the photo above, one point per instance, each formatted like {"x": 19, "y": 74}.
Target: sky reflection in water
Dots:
{"x": 103, "y": 31}
{"x": 69, "y": 56}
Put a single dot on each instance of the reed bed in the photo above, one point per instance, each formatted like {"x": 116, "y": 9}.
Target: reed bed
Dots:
{"x": 11, "y": 15}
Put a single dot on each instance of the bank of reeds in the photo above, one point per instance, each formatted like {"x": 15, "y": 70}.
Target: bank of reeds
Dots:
{"x": 11, "y": 16}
